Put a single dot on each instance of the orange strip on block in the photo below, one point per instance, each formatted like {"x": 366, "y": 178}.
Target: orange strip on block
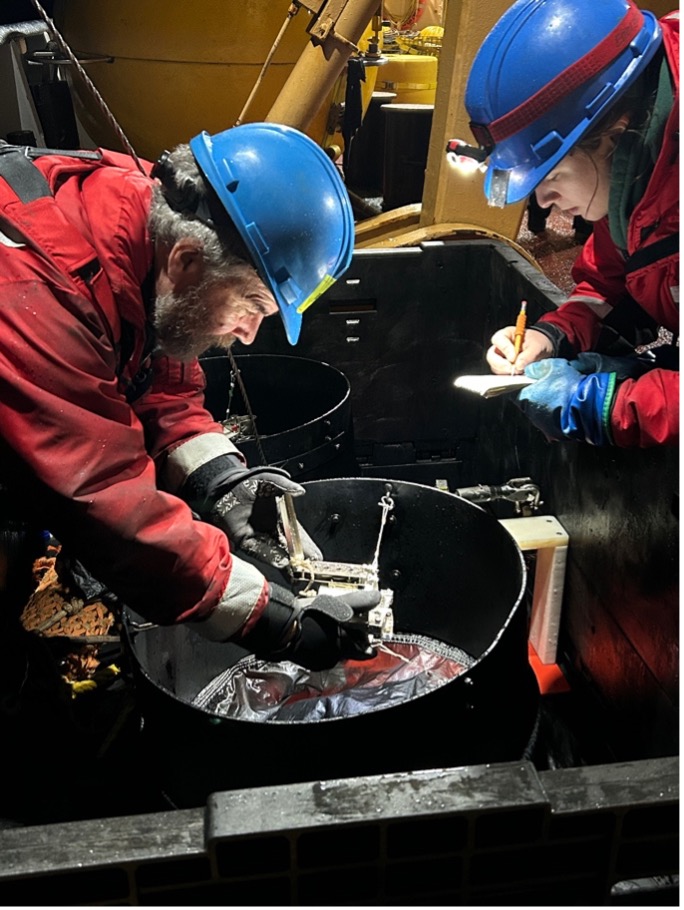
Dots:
{"x": 550, "y": 678}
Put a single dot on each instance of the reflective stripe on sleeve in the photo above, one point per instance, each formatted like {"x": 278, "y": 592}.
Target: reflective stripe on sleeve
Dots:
{"x": 596, "y": 304}
{"x": 242, "y": 594}
{"x": 192, "y": 454}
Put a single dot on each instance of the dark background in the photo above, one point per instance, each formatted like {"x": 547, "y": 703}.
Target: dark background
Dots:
{"x": 22, "y": 10}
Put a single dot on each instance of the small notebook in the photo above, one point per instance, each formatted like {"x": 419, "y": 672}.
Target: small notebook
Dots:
{"x": 488, "y": 385}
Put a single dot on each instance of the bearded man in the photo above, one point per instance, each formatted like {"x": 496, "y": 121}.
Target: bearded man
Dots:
{"x": 115, "y": 278}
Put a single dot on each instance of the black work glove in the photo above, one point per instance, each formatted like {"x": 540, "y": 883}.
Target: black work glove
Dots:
{"x": 241, "y": 502}
{"x": 315, "y": 632}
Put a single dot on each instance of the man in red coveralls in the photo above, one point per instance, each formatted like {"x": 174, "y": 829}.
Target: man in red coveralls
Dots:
{"x": 578, "y": 102}
{"x": 113, "y": 282}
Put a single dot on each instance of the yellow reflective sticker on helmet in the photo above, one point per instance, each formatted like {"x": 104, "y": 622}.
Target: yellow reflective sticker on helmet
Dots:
{"x": 316, "y": 293}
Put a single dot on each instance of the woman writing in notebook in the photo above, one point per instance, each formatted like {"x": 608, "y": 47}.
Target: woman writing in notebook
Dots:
{"x": 591, "y": 128}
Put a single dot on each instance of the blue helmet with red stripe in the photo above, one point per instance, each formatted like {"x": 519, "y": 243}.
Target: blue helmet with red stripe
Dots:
{"x": 545, "y": 74}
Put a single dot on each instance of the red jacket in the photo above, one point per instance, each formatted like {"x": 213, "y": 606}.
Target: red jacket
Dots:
{"x": 72, "y": 340}
{"x": 646, "y": 410}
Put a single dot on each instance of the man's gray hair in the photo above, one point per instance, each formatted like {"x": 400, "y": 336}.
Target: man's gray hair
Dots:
{"x": 222, "y": 245}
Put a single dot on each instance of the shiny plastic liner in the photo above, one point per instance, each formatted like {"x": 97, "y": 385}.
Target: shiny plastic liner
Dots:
{"x": 405, "y": 667}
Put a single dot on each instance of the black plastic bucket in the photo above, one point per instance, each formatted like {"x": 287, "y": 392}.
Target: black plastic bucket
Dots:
{"x": 457, "y": 576}
{"x": 302, "y": 411}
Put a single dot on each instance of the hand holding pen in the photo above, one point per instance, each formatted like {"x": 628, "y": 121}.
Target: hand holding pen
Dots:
{"x": 508, "y": 343}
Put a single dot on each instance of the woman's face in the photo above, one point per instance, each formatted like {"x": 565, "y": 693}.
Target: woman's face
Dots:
{"x": 579, "y": 185}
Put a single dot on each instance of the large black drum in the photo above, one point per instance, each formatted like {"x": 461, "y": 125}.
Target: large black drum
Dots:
{"x": 458, "y": 578}
{"x": 301, "y": 410}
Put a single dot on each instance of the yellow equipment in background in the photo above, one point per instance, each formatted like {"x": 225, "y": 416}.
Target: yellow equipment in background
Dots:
{"x": 428, "y": 41}
{"x": 412, "y": 77}
{"x": 168, "y": 69}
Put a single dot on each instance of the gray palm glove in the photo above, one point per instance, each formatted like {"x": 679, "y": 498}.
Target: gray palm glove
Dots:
{"x": 241, "y": 501}
{"x": 315, "y": 632}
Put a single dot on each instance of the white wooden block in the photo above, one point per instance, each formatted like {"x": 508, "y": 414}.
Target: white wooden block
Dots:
{"x": 547, "y": 535}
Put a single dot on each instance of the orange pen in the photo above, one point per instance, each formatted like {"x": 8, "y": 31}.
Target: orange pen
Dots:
{"x": 519, "y": 335}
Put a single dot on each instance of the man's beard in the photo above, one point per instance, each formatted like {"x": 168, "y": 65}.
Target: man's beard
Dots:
{"x": 180, "y": 322}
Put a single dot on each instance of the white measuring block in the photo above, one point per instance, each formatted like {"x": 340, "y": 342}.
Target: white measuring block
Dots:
{"x": 547, "y": 535}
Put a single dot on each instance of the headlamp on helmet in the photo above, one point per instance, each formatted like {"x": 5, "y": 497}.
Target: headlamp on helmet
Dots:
{"x": 585, "y": 56}
{"x": 466, "y": 159}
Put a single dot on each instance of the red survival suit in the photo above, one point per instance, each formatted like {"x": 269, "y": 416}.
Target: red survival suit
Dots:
{"x": 646, "y": 410}
{"x": 89, "y": 416}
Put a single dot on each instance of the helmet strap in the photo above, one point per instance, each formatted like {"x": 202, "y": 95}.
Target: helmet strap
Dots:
{"x": 186, "y": 200}
{"x": 570, "y": 79}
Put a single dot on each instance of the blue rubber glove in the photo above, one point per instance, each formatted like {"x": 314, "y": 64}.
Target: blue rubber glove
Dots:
{"x": 566, "y": 404}
{"x": 631, "y": 367}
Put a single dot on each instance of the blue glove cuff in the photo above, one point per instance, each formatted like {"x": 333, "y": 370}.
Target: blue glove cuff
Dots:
{"x": 586, "y": 414}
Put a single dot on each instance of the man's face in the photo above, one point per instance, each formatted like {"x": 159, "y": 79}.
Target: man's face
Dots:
{"x": 189, "y": 318}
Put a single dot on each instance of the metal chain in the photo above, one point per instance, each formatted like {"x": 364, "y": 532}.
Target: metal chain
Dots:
{"x": 89, "y": 83}
{"x": 387, "y": 504}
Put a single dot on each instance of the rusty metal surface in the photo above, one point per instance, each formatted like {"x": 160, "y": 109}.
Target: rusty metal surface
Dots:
{"x": 555, "y": 248}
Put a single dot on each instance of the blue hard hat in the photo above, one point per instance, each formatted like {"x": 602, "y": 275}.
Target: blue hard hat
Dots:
{"x": 290, "y": 206}
{"x": 545, "y": 74}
